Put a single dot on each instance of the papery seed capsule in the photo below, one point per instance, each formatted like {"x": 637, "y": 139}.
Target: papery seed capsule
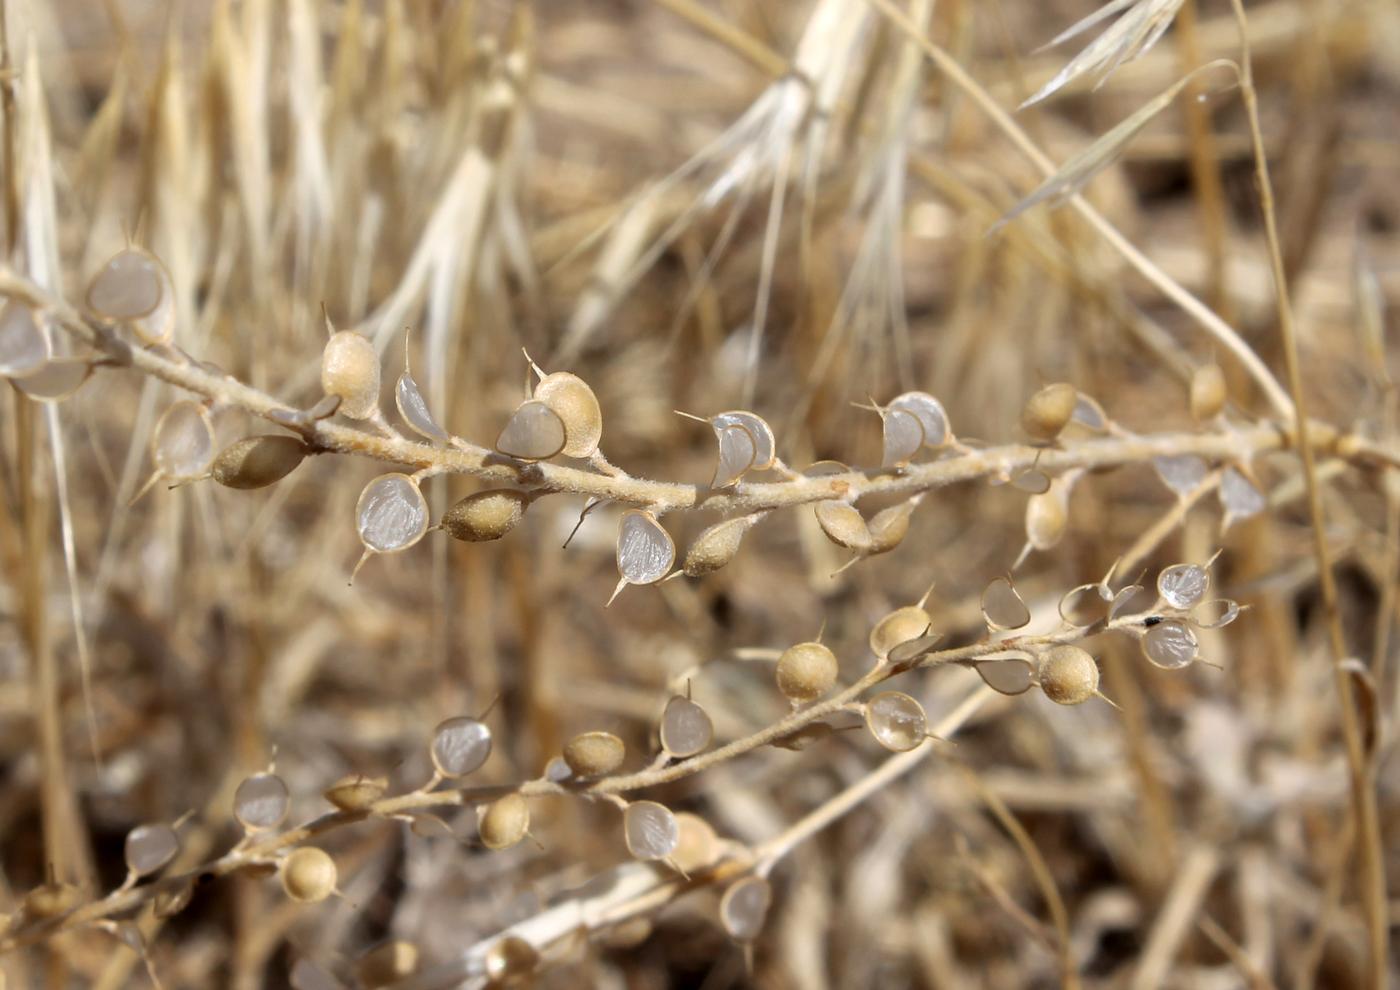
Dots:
{"x": 1045, "y": 519}
{"x": 308, "y": 875}
{"x": 843, "y": 524}
{"x": 900, "y": 626}
{"x": 650, "y": 830}
{"x": 1049, "y": 411}
{"x": 413, "y": 407}
{"x": 56, "y": 380}
{"x": 594, "y": 754}
{"x": 350, "y": 371}
{"x": 645, "y": 551}
{"x": 487, "y": 515}
{"x": 1183, "y": 586}
{"x": 150, "y": 848}
{"x": 261, "y": 802}
{"x": 686, "y": 728}
{"x": 930, "y": 414}
{"x": 1171, "y": 644}
{"x": 134, "y": 288}
{"x": 1207, "y": 392}
{"x": 504, "y": 822}
{"x": 737, "y": 451}
{"x": 698, "y": 847}
{"x": 744, "y": 908}
{"x": 386, "y": 964}
{"x": 765, "y": 446}
{"x": 391, "y": 513}
{"x": 356, "y": 792}
{"x": 24, "y": 347}
{"x": 460, "y": 746}
{"x": 1239, "y": 495}
{"x": 534, "y": 432}
{"x": 1002, "y": 606}
{"x": 896, "y": 721}
{"x": 1005, "y": 676}
{"x": 183, "y": 442}
{"x": 1068, "y": 675}
{"x": 716, "y": 546}
{"x": 573, "y": 401}
{"x": 806, "y": 671}
{"x": 904, "y": 435}
{"x": 889, "y": 526}
{"x": 255, "y": 462}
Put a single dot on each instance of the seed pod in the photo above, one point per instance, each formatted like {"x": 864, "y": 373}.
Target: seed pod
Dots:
{"x": 413, "y": 408}
{"x": 1216, "y": 613}
{"x": 261, "y": 802}
{"x": 930, "y": 414}
{"x": 765, "y": 446}
{"x": 150, "y": 848}
{"x": 391, "y": 513}
{"x": 904, "y": 435}
{"x": 1239, "y": 496}
{"x": 487, "y": 515}
{"x": 134, "y": 288}
{"x": 56, "y": 380}
{"x": 386, "y": 964}
{"x": 650, "y": 830}
{"x": 1045, "y": 519}
{"x": 182, "y": 444}
{"x": 889, "y": 526}
{"x": 744, "y": 908}
{"x": 717, "y": 545}
{"x": 1183, "y": 586}
{"x": 594, "y": 754}
{"x": 915, "y": 648}
{"x": 737, "y": 451}
{"x": 534, "y": 432}
{"x": 577, "y": 407}
{"x": 1171, "y": 644}
{"x": 504, "y": 822}
{"x": 843, "y": 524}
{"x": 1084, "y": 605}
{"x": 510, "y": 961}
{"x": 1129, "y": 600}
{"x": 308, "y": 875}
{"x": 356, "y": 792}
{"x": 1090, "y": 415}
{"x": 460, "y": 746}
{"x": 1181, "y": 473}
{"x": 24, "y": 346}
{"x": 686, "y": 728}
{"x": 896, "y": 721}
{"x": 645, "y": 551}
{"x": 899, "y": 626}
{"x": 51, "y": 899}
{"x": 1207, "y": 392}
{"x": 1049, "y": 411}
{"x": 806, "y": 671}
{"x": 1007, "y": 676}
{"x": 255, "y": 462}
{"x": 1002, "y": 606}
{"x": 698, "y": 848}
{"x": 1068, "y": 675}
{"x": 350, "y": 372}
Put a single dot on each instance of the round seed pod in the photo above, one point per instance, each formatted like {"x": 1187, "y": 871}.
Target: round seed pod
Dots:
{"x": 261, "y": 802}
{"x": 534, "y": 432}
{"x": 765, "y": 446}
{"x": 51, "y": 899}
{"x": 1208, "y": 392}
{"x": 460, "y": 746}
{"x": 1183, "y": 586}
{"x": 843, "y": 524}
{"x": 650, "y": 830}
{"x": 1171, "y": 644}
{"x": 744, "y": 908}
{"x": 896, "y": 721}
{"x": 182, "y": 444}
{"x": 255, "y": 462}
{"x": 698, "y": 848}
{"x": 1049, "y": 411}
{"x": 350, "y": 372}
{"x": 577, "y": 408}
{"x": 737, "y": 451}
{"x": 487, "y": 515}
{"x": 386, "y": 964}
{"x": 504, "y": 822}
{"x": 645, "y": 551}
{"x": 899, "y": 626}
{"x": 391, "y": 513}
{"x": 356, "y": 792}
{"x": 889, "y": 526}
{"x": 24, "y": 347}
{"x": 594, "y": 754}
{"x": 56, "y": 380}
{"x": 930, "y": 413}
{"x": 904, "y": 435}
{"x": 806, "y": 671}
{"x": 686, "y": 728}
{"x": 510, "y": 961}
{"x": 150, "y": 848}
{"x": 1068, "y": 675}
{"x": 1045, "y": 520}
{"x": 716, "y": 546}
{"x": 134, "y": 288}
{"x": 1009, "y": 675}
{"x": 308, "y": 875}
{"x": 1002, "y": 606}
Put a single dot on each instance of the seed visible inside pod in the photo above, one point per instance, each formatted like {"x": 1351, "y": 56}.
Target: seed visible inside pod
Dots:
{"x": 386, "y": 964}
{"x": 391, "y": 514}
{"x": 1002, "y": 606}
{"x": 487, "y": 515}
{"x": 350, "y": 371}
{"x": 534, "y": 432}
{"x": 806, "y": 671}
{"x": 899, "y": 626}
{"x": 594, "y": 754}
{"x": 413, "y": 407}
{"x": 1068, "y": 675}
{"x": 686, "y": 728}
{"x": 650, "y": 830}
{"x": 577, "y": 407}
{"x": 261, "y": 802}
{"x": 765, "y": 446}
{"x": 1183, "y": 585}
{"x": 255, "y": 462}
{"x": 460, "y": 746}
{"x": 843, "y": 524}
{"x": 24, "y": 347}
{"x": 356, "y": 792}
{"x": 1170, "y": 644}
{"x": 1208, "y": 392}
{"x": 717, "y": 545}
{"x": 930, "y": 414}
{"x": 1006, "y": 676}
{"x": 736, "y": 455}
{"x": 308, "y": 875}
{"x": 150, "y": 848}
{"x": 698, "y": 848}
{"x": 896, "y": 721}
{"x": 1181, "y": 473}
{"x": 504, "y": 822}
{"x": 744, "y": 908}
{"x": 645, "y": 551}
{"x": 1049, "y": 411}
{"x": 904, "y": 435}
{"x": 183, "y": 442}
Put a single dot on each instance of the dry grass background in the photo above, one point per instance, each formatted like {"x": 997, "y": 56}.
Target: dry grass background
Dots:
{"x": 460, "y": 167}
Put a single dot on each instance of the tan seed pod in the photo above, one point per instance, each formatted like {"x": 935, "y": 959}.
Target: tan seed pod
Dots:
{"x": 386, "y": 964}
{"x": 350, "y": 372}
{"x": 717, "y": 545}
{"x": 356, "y": 792}
{"x": 504, "y": 822}
{"x": 594, "y": 754}
{"x": 255, "y": 462}
{"x": 308, "y": 875}
{"x": 510, "y": 961}
{"x": 487, "y": 515}
{"x": 577, "y": 407}
{"x": 1207, "y": 392}
{"x": 1045, "y": 519}
{"x": 900, "y": 626}
{"x": 1049, "y": 411}
{"x": 889, "y": 526}
{"x": 699, "y": 848}
{"x": 843, "y": 524}
{"x": 1068, "y": 675}
{"x": 806, "y": 671}
{"x": 51, "y": 899}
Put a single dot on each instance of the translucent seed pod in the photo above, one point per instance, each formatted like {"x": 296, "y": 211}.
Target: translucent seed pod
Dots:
{"x": 900, "y": 626}
{"x": 510, "y": 961}
{"x": 134, "y": 288}
{"x": 573, "y": 401}
{"x": 744, "y": 908}
{"x": 650, "y": 830}
{"x": 350, "y": 372}
{"x": 929, "y": 412}
{"x": 1049, "y": 411}
{"x": 686, "y": 728}
{"x": 896, "y": 721}
{"x": 460, "y": 746}
{"x": 1181, "y": 473}
{"x": 1183, "y": 586}
{"x": 256, "y": 462}
{"x": 913, "y": 649}
{"x": 1239, "y": 496}
{"x": 487, "y": 515}
{"x": 534, "y": 432}
{"x": 1089, "y": 414}
{"x": 1129, "y": 601}
{"x": 903, "y": 435}
{"x": 51, "y": 899}
{"x": 1085, "y": 605}
{"x": 1208, "y": 392}
{"x": 737, "y": 451}
{"x": 504, "y": 822}
{"x": 699, "y": 847}
{"x": 182, "y": 444}
{"x": 1170, "y": 644}
{"x": 717, "y": 545}
{"x": 1046, "y": 518}
{"x": 594, "y": 754}
{"x": 55, "y": 381}
{"x": 1031, "y": 481}
{"x": 1006, "y": 675}
{"x": 1216, "y": 613}
{"x": 308, "y": 875}
{"x": 1068, "y": 675}
{"x": 413, "y": 409}
{"x": 806, "y": 671}
{"x": 843, "y": 524}
{"x": 765, "y": 446}
{"x": 386, "y": 964}
{"x": 150, "y": 848}
{"x": 645, "y": 551}
{"x": 356, "y": 792}
{"x": 261, "y": 802}
{"x": 1002, "y": 606}
{"x": 24, "y": 346}
{"x": 391, "y": 514}
{"x": 889, "y": 527}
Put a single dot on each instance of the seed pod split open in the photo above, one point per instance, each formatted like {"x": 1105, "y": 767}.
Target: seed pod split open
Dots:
{"x": 261, "y": 802}
{"x": 904, "y": 436}
{"x": 55, "y": 380}
{"x": 134, "y": 288}
{"x": 1002, "y": 606}
{"x": 1006, "y": 674}
{"x": 930, "y": 414}
{"x": 183, "y": 442}
{"x": 534, "y": 432}
{"x": 645, "y": 551}
{"x": 150, "y": 848}
{"x": 460, "y": 746}
{"x": 413, "y": 408}
{"x": 900, "y": 626}
{"x": 650, "y": 830}
{"x": 744, "y": 908}
{"x": 765, "y": 446}
{"x": 24, "y": 346}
